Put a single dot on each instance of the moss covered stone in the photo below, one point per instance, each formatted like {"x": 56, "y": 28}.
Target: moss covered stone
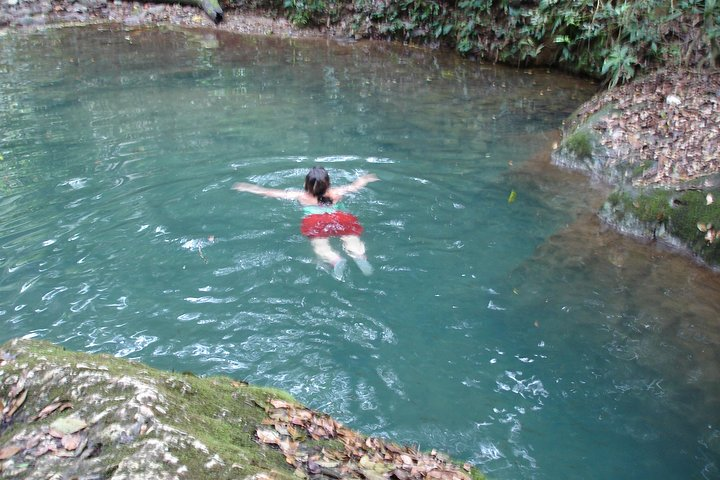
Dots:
{"x": 75, "y": 415}
{"x": 683, "y": 218}
{"x": 580, "y": 144}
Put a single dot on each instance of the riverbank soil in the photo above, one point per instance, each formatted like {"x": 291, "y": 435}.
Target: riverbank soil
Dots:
{"x": 42, "y": 13}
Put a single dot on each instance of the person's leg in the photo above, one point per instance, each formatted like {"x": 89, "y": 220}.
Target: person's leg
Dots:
{"x": 353, "y": 246}
{"x": 356, "y": 249}
{"x": 325, "y": 252}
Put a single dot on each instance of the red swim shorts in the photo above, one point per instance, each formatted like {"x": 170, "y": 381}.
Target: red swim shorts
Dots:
{"x": 335, "y": 224}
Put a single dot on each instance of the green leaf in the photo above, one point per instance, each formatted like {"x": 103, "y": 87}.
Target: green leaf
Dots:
{"x": 68, "y": 425}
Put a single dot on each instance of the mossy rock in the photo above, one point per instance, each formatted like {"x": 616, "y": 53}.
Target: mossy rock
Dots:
{"x": 582, "y": 149}
{"x": 683, "y": 218}
{"x": 76, "y": 415}
{"x": 580, "y": 144}
{"x": 141, "y": 422}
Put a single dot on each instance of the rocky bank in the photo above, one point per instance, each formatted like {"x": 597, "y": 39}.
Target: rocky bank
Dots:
{"x": 82, "y": 416}
{"x": 38, "y": 14}
{"x": 657, "y": 141}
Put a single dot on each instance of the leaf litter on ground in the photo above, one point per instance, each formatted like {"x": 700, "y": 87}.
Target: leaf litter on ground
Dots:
{"x": 290, "y": 427}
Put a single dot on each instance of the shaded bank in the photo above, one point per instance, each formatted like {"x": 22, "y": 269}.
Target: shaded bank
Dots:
{"x": 97, "y": 416}
{"x": 657, "y": 140}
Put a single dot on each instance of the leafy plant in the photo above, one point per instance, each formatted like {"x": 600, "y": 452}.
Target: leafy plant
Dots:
{"x": 613, "y": 40}
{"x": 619, "y": 65}
{"x": 301, "y": 12}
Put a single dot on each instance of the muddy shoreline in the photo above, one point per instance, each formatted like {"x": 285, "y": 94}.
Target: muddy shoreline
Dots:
{"x": 38, "y": 14}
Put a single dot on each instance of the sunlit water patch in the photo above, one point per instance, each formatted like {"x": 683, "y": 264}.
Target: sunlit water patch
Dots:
{"x": 518, "y": 335}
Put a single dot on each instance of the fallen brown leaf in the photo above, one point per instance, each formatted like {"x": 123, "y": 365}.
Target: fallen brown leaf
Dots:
{"x": 18, "y": 387}
{"x": 32, "y": 442}
{"x": 60, "y": 406}
{"x": 9, "y": 451}
{"x": 277, "y": 403}
{"x": 71, "y": 442}
{"x": 268, "y": 436}
{"x": 41, "y": 451}
{"x": 63, "y": 453}
{"x": 17, "y": 403}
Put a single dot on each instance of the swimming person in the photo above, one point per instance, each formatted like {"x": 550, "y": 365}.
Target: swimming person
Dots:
{"x": 324, "y": 217}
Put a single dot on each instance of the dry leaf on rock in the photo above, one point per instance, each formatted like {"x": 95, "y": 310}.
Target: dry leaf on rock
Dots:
{"x": 15, "y": 404}
{"x": 268, "y": 436}
{"x": 71, "y": 442}
{"x": 33, "y": 442}
{"x": 18, "y": 387}
{"x": 288, "y": 425}
{"x": 42, "y": 450}
{"x": 7, "y": 452}
{"x": 277, "y": 403}
{"x": 59, "y": 406}
{"x": 63, "y": 453}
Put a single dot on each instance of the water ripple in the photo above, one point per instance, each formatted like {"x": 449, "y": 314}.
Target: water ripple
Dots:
{"x": 517, "y": 336}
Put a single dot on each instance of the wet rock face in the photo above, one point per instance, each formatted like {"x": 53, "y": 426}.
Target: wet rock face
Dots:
{"x": 63, "y": 418}
{"x": 84, "y": 416}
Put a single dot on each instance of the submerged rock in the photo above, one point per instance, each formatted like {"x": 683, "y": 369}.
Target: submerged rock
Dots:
{"x": 74, "y": 415}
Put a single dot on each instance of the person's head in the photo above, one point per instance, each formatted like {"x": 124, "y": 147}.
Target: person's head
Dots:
{"x": 317, "y": 183}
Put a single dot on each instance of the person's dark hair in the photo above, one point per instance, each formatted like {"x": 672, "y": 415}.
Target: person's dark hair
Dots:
{"x": 317, "y": 182}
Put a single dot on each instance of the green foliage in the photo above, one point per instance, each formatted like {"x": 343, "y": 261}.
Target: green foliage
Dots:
{"x": 408, "y": 20}
{"x": 580, "y": 144}
{"x": 619, "y": 65}
{"x": 610, "y": 39}
{"x": 614, "y": 40}
{"x": 653, "y": 207}
{"x": 301, "y": 12}
{"x": 682, "y": 215}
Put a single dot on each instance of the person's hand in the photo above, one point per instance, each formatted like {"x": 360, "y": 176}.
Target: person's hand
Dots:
{"x": 244, "y": 187}
{"x": 369, "y": 178}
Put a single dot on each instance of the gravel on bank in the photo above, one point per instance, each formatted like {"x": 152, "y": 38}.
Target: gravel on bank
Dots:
{"x": 43, "y": 13}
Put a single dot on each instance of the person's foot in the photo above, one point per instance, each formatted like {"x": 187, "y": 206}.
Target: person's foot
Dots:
{"x": 339, "y": 269}
{"x": 364, "y": 265}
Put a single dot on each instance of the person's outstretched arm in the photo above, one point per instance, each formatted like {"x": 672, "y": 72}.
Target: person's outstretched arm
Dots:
{"x": 355, "y": 186}
{"x": 267, "y": 192}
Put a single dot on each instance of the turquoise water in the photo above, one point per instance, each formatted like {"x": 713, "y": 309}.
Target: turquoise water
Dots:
{"x": 521, "y": 336}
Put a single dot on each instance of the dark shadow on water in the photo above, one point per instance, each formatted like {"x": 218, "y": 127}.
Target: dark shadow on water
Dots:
{"x": 652, "y": 309}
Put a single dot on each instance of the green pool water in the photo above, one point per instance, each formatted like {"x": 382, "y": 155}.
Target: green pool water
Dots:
{"x": 521, "y": 336}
